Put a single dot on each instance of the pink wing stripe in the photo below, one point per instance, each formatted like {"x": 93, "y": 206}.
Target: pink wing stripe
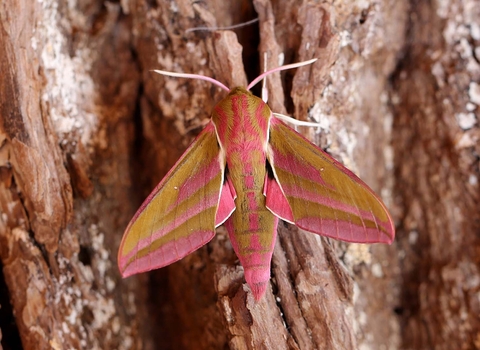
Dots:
{"x": 275, "y": 200}
{"x": 195, "y": 183}
{"x": 340, "y": 205}
{"x": 305, "y": 170}
{"x": 160, "y": 232}
{"x": 344, "y": 230}
{"x": 167, "y": 253}
{"x": 206, "y": 133}
{"x": 179, "y": 220}
{"x": 226, "y": 205}
{"x": 304, "y": 194}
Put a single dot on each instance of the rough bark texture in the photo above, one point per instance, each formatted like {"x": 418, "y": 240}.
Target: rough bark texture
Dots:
{"x": 436, "y": 98}
{"x": 87, "y": 130}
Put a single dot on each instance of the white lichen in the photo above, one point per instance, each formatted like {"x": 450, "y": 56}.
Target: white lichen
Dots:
{"x": 377, "y": 270}
{"x": 357, "y": 254}
{"x": 474, "y": 93}
{"x": 466, "y": 120}
{"x": 70, "y": 92}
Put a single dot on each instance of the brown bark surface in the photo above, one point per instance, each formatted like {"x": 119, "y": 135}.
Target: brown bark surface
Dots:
{"x": 87, "y": 130}
{"x": 436, "y": 98}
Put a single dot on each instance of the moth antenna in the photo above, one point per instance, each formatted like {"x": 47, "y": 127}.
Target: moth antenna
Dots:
{"x": 192, "y": 76}
{"x": 264, "y": 84}
{"x": 235, "y": 26}
{"x": 278, "y": 69}
{"x": 294, "y": 121}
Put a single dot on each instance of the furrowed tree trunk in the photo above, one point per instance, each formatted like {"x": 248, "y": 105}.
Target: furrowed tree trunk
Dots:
{"x": 87, "y": 131}
{"x": 436, "y": 99}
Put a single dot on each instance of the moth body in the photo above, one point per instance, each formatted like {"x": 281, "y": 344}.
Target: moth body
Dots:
{"x": 242, "y": 121}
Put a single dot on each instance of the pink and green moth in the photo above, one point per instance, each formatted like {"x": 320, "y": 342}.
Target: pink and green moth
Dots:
{"x": 247, "y": 169}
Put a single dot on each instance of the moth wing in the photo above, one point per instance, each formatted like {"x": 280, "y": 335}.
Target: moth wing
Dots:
{"x": 181, "y": 213}
{"x": 324, "y": 197}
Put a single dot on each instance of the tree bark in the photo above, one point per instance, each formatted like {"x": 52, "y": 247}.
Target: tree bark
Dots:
{"x": 87, "y": 130}
{"x": 436, "y": 99}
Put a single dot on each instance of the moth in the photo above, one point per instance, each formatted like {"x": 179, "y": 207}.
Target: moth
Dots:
{"x": 247, "y": 169}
